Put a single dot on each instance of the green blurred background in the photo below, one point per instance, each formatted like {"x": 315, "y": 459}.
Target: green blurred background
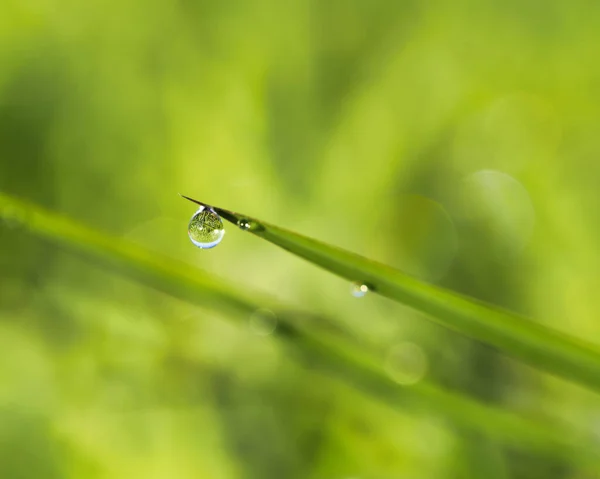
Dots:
{"x": 455, "y": 140}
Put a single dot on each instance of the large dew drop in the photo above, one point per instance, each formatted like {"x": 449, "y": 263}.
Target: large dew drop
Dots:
{"x": 206, "y": 228}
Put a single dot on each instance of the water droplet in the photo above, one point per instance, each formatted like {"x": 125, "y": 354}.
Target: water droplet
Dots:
{"x": 206, "y": 228}
{"x": 359, "y": 289}
{"x": 263, "y": 322}
{"x": 244, "y": 224}
{"x": 249, "y": 225}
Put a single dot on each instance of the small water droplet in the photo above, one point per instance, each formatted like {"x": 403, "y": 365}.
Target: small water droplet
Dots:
{"x": 359, "y": 289}
{"x": 248, "y": 225}
{"x": 263, "y": 322}
{"x": 244, "y": 224}
{"x": 206, "y": 228}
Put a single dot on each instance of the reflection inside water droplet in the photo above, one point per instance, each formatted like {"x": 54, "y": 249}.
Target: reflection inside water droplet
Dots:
{"x": 263, "y": 322}
{"x": 359, "y": 289}
{"x": 206, "y": 228}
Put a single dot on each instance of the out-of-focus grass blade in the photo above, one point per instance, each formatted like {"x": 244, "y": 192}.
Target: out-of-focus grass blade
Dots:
{"x": 322, "y": 347}
{"x": 528, "y": 341}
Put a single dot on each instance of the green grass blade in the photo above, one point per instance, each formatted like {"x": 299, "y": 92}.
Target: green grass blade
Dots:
{"x": 323, "y": 347}
{"x": 544, "y": 348}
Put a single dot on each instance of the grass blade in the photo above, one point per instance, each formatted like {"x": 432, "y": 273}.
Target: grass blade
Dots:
{"x": 323, "y": 347}
{"x": 544, "y": 348}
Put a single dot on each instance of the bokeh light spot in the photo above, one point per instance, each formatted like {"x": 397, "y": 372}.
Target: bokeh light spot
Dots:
{"x": 406, "y": 363}
{"x": 424, "y": 238}
{"x": 499, "y": 205}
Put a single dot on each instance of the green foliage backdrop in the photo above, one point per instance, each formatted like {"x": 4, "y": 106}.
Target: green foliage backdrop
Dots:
{"x": 454, "y": 140}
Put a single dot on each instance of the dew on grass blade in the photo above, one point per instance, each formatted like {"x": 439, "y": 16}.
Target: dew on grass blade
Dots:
{"x": 245, "y": 224}
{"x": 359, "y": 289}
{"x": 206, "y": 228}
